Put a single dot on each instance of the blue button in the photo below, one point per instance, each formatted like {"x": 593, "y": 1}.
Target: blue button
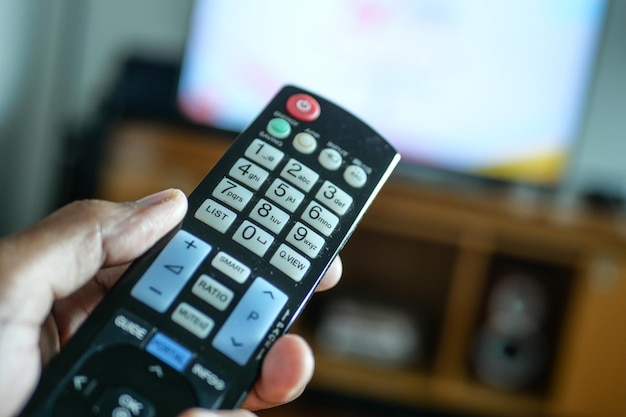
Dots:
{"x": 250, "y": 321}
{"x": 170, "y": 352}
{"x": 171, "y": 270}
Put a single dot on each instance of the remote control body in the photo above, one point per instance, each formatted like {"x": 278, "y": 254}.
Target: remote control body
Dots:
{"x": 190, "y": 322}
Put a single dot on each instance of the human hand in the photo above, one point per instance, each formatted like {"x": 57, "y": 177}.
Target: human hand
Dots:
{"x": 53, "y": 274}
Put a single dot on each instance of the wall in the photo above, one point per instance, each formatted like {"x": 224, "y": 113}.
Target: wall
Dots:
{"x": 600, "y": 157}
{"x": 58, "y": 58}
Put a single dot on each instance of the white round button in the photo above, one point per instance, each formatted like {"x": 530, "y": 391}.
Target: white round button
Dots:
{"x": 304, "y": 143}
{"x": 355, "y": 176}
{"x": 330, "y": 159}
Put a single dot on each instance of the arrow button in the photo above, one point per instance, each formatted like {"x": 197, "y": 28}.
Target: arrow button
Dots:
{"x": 79, "y": 382}
{"x": 157, "y": 370}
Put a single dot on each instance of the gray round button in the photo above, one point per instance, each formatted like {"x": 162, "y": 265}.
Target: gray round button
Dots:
{"x": 355, "y": 176}
{"x": 330, "y": 159}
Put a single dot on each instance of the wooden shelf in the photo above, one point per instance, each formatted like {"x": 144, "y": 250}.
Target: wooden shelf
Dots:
{"x": 437, "y": 255}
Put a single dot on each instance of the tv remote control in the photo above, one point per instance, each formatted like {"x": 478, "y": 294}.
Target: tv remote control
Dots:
{"x": 190, "y": 322}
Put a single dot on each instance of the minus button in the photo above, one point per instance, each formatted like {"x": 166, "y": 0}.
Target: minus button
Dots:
{"x": 170, "y": 271}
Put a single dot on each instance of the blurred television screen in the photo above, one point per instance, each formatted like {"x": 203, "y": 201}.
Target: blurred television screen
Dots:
{"x": 489, "y": 88}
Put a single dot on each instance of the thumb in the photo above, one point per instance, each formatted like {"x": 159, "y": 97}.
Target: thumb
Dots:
{"x": 58, "y": 255}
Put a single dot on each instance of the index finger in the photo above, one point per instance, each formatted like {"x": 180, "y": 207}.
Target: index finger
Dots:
{"x": 58, "y": 255}
{"x": 332, "y": 276}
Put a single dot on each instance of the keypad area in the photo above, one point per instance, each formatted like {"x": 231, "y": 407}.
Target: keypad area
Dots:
{"x": 291, "y": 192}
{"x": 276, "y": 203}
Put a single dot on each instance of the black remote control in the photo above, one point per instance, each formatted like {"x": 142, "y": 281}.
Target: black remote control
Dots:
{"x": 190, "y": 322}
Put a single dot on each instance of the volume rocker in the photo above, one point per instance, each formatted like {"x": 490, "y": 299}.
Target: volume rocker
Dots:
{"x": 171, "y": 270}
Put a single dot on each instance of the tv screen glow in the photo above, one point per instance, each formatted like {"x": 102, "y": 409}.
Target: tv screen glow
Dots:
{"x": 490, "y": 88}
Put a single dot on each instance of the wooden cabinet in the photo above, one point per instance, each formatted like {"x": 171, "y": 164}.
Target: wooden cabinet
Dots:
{"x": 436, "y": 256}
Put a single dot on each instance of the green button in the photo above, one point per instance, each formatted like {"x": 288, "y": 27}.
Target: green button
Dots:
{"x": 279, "y": 128}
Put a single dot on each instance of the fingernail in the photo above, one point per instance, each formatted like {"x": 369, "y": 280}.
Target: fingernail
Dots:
{"x": 156, "y": 198}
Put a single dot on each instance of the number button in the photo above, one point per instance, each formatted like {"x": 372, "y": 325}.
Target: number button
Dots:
{"x": 264, "y": 154}
{"x": 299, "y": 175}
{"x": 320, "y": 218}
{"x": 305, "y": 240}
{"x": 253, "y": 238}
{"x": 285, "y": 195}
{"x": 233, "y": 194}
{"x": 248, "y": 173}
{"x": 269, "y": 216}
{"x": 334, "y": 198}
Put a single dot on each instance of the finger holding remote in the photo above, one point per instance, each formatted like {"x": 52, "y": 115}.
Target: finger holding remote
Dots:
{"x": 53, "y": 274}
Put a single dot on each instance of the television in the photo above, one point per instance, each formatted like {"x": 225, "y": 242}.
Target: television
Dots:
{"x": 485, "y": 88}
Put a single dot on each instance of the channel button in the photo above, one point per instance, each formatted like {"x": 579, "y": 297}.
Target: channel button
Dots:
{"x": 250, "y": 321}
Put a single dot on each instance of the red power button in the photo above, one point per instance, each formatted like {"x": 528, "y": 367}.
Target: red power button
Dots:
{"x": 303, "y": 107}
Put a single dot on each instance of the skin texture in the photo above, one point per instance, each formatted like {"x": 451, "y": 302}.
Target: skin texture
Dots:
{"x": 53, "y": 274}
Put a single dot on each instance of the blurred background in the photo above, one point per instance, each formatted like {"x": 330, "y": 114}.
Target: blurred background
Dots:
{"x": 487, "y": 280}
{"x": 60, "y": 60}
